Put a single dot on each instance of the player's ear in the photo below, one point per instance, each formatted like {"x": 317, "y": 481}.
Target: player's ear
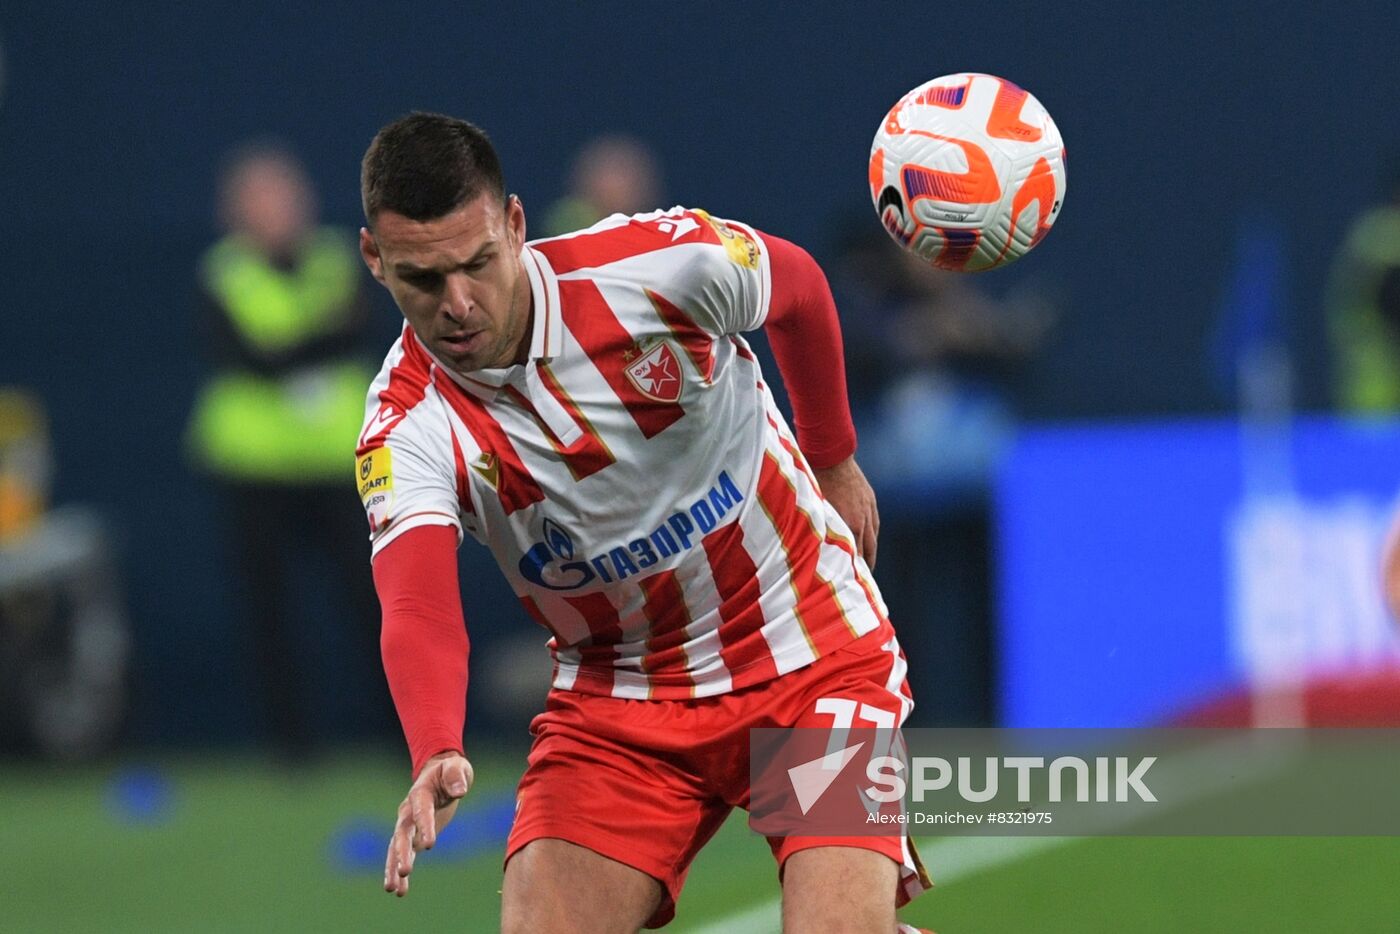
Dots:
{"x": 515, "y": 219}
{"x": 369, "y": 252}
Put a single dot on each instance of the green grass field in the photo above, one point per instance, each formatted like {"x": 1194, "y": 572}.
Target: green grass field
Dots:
{"x": 243, "y": 846}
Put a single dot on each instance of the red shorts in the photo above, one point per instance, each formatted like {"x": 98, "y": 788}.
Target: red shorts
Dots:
{"x": 647, "y": 783}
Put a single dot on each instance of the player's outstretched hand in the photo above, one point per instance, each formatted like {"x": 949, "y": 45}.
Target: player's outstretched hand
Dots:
{"x": 846, "y": 488}
{"x": 430, "y": 804}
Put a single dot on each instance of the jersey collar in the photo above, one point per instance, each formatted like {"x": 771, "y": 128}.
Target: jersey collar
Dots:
{"x": 546, "y": 342}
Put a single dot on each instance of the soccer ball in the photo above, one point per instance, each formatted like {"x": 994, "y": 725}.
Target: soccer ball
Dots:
{"x": 967, "y": 171}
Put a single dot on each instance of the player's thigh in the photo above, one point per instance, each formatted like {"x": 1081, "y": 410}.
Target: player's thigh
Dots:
{"x": 560, "y": 887}
{"x": 840, "y": 890}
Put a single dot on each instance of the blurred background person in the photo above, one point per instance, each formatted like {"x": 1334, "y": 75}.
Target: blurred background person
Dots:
{"x": 26, "y": 464}
{"x": 64, "y": 633}
{"x": 611, "y": 175}
{"x": 285, "y": 325}
{"x": 1363, "y": 308}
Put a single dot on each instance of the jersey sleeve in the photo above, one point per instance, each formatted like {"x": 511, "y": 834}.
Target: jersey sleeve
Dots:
{"x": 728, "y": 284}
{"x": 424, "y": 640}
{"x": 406, "y": 480}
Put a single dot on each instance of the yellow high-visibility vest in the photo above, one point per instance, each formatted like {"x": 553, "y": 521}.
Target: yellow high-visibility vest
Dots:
{"x": 300, "y": 427}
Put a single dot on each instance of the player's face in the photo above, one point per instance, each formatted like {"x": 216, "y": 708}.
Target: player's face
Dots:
{"x": 458, "y": 280}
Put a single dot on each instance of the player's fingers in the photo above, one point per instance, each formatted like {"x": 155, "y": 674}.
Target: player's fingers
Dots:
{"x": 394, "y": 869}
{"x": 872, "y": 529}
{"x": 864, "y": 539}
{"x": 403, "y": 862}
{"x": 399, "y": 861}
{"x": 391, "y": 867}
{"x": 421, "y": 805}
{"x": 391, "y": 858}
{"x": 456, "y": 780}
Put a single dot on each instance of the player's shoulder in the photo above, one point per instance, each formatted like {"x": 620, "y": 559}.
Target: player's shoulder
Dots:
{"x": 401, "y": 399}
{"x": 663, "y": 225}
{"x": 657, "y": 235}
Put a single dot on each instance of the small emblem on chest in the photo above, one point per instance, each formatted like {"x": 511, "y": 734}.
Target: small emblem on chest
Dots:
{"x": 488, "y": 468}
{"x": 657, "y": 373}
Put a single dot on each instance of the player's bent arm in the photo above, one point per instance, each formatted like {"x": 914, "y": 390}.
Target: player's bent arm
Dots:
{"x": 805, "y": 335}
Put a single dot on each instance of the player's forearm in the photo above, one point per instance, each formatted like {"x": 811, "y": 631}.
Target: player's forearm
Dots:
{"x": 428, "y": 681}
{"x": 424, "y": 640}
{"x": 805, "y": 335}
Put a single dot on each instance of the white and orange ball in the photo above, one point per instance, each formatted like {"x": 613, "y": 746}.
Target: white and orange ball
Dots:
{"x": 968, "y": 172}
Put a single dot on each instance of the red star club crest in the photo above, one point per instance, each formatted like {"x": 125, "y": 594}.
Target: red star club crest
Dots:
{"x": 657, "y": 373}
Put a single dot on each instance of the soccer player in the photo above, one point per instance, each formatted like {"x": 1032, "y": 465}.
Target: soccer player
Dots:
{"x": 585, "y": 407}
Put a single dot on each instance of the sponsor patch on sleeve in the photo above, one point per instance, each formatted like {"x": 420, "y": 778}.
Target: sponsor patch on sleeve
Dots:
{"x": 741, "y": 248}
{"x": 374, "y": 472}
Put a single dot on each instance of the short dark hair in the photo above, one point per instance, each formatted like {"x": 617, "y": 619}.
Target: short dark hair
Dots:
{"x": 426, "y": 165}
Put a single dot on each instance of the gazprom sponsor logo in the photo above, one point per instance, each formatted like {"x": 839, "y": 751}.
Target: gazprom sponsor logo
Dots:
{"x": 551, "y": 563}
{"x": 558, "y": 540}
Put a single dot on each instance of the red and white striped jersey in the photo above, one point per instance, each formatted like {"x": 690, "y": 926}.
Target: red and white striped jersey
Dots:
{"x": 634, "y": 479}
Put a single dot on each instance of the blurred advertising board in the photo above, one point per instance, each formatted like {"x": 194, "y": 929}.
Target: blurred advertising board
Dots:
{"x": 1146, "y": 569}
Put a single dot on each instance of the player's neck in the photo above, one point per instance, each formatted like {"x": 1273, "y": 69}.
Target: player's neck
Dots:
{"x": 527, "y": 336}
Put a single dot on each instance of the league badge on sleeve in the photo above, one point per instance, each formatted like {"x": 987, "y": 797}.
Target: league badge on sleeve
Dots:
{"x": 740, "y": 247}
{"x": 657, "y": 373}
{"x": 375, "y": 474}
